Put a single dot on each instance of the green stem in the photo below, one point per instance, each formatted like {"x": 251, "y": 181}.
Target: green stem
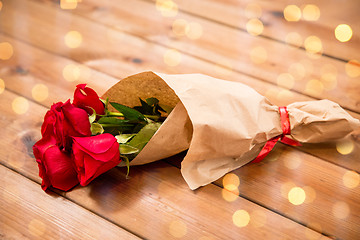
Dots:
{"x": 152, "y": 117}
{"x": 113, "y": 125}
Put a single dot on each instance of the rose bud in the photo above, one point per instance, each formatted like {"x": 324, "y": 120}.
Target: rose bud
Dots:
{"x": 86, "y": 98}
{"x": 94, "y": 156}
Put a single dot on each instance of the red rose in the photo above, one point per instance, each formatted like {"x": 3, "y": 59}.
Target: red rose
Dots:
{"x": 85, "y": 97}
{"x": 55, "y": 166}
{"x": 94, "y": 156}
{"x": 64, "y": 121}
{"x": 52, "y": 151}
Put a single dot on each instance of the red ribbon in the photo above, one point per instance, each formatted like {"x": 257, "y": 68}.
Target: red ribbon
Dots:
{"x": 285, "y": 126}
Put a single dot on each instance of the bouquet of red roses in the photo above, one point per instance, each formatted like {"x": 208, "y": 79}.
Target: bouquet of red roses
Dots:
{"x": 83, "y": 139}
{"x": 222, "y": 124}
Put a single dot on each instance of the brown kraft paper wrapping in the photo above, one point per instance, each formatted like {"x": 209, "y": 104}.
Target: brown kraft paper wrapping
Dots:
{"x": 223, "y": 124}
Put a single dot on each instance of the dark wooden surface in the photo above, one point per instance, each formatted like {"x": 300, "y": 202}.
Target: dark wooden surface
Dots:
{"x": 46, "y": 50}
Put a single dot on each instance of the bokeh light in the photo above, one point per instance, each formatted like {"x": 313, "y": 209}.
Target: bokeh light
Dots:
{"x": 284, "y": 94}
{"x": 310, "y": 194}
{"x": 292, "y": 163}
{"x": 1, "y": 5}
{"x": 314, "y": 87}
{"x": 311, "y": 12}
{"x": 6, "y": 51}
{"x": 230, "y": 196}
{"x": 352, "y": 68}
{"x": 20, "y": 105}
{"x": 258, "y": 218}
{"x": 73, "y": 39}
{"x": 343, "y": 32}
{"x": 351, "y": 179}
{"x": 292, "y": 13}
{"x": 180, "y": 27}
{"x": 254, "y": 27}
{"x": 296, "y": 196}
{"x": 345, "y": 146}
{"x": 297, "y": 70}
{"x": 68, "y": 4}
{"x": 172, "y": 57}
{"x": 37, "y": 228}
{"x": 241, "y": 218}
{"x": 2, "y": 86}
{"x": 167, "y": 8}
{"x": 71, "y": 72}
{"x": 258, "y": 55}
{"x": 194, "y": 30}
{"x": 294, "y": 39}
{"x": 40, "y": 92}
{"x": 286, "y": 80}
{"x": 231, "y": 181}
{"x": 177, "y": 229}
{"x": 313, "y": 44}
{"x": 341, "y": 210}
{"x": 253, "y": 10}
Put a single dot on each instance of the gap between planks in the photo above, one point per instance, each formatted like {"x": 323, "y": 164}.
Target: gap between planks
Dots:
{"x": 159, "y": 43}
{"x": 149, "y": 174}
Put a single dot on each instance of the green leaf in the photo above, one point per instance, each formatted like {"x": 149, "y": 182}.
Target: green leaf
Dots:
{"x": 127, "y": 149}
{"x": 127, "y": 162}
{"x": 152, "y": 101}
{"x": 145, "y": 108}
{"x": 92, "y": 117}
{"x": 114, "y": 120}
{"x": 129, "y": 113}
{"x": 106, "y": 104}
{"x": 124, "y": 138}
{"x": 96, "y": 128}
{"x": 165, "y": 108}
{"x": 144, "y": 135}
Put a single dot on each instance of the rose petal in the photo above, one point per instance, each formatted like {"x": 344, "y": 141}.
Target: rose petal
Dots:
{"x": 94, "y": 156}
{"x": 77, "y": 120}
{"x": 59, "y": 169}
{"x": 86, "y": 98}
{"x": 96, "y": 144}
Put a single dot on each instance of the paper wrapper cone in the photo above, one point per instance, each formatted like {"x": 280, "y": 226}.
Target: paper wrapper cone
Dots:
{"x": 223, "y": 124}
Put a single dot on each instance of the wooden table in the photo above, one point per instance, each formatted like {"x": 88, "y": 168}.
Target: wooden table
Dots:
{"x": 289, "y": 55}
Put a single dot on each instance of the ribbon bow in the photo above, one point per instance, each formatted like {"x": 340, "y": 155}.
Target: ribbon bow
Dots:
{"x": 285, "y": 126}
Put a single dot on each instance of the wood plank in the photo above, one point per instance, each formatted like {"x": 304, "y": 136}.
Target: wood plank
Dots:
{"x": 238, "y": 13}
{"x": 30, "y": 60}
{"x": 269, "y": 183}
{"x": 320, "y": 78}
{"x": 155, "y": 191}
{"x": 19, "y": 73}
{"x": 336, "y": 214}
{"x": 26, "y": 212}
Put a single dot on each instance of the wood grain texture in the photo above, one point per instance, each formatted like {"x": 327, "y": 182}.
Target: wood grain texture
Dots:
{"x": 31, "y": 60}
{"x": 27, "y": 213}
{"x": 332, "y": 13}
{"x": 229, "y": 47}
{"x": 155, "y": 191}
{"x": 266, "y": 200}
{"x": 126, "y": 37}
